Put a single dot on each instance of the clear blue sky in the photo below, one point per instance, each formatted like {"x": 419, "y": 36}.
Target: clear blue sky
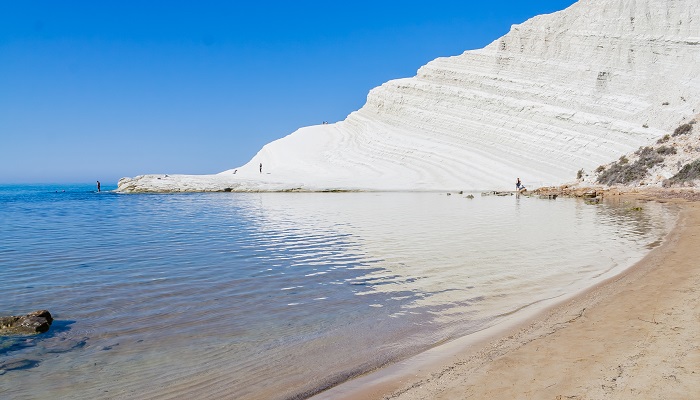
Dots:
{"x": 103, "y": 89}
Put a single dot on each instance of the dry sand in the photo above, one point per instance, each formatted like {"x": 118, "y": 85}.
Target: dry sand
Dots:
{"x": 636, "y": 336}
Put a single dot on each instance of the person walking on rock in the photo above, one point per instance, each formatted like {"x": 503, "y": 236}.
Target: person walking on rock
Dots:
{"x": 261, "y": 168}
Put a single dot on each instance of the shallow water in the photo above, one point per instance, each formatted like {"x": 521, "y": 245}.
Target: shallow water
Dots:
{"x": 281, "y": 294}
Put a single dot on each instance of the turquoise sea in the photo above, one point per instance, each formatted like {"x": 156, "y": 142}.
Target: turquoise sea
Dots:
{"x": 280, "y": 295}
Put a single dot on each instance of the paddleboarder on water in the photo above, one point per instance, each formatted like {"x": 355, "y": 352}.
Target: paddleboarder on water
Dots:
{"x": 98, "y": 186}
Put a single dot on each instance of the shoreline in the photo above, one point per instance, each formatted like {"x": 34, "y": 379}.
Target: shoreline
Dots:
{"x": 596, "y": 344}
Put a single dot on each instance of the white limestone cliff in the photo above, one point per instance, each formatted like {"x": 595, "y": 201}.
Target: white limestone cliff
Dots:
{"x": 561, "y": 92}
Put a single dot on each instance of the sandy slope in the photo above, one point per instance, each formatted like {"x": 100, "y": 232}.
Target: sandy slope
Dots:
{"x": 634, "y": 337}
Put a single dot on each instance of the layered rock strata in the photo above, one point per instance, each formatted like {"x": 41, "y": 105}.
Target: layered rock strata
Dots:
{"x": 561, "y": 92}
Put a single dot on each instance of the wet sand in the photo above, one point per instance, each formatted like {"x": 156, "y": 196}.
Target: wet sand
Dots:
{"x": 634, "y": 336}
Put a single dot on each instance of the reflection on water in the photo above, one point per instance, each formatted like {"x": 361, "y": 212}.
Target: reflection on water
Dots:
{"x": 275, "y": 295}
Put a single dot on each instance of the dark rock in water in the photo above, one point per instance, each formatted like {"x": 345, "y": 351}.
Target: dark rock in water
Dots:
{"x": 32, "y": 323}
{"x": 42, "y": 314}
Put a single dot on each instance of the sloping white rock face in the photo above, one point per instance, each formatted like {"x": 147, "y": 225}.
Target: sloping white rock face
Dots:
{"x": 558, "y": 93}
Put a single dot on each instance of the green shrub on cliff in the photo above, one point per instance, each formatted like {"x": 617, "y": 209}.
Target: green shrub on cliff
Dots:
{"x": 683, "y": 130}
{"x": 689, "y": 172}
{"x": 666, "y": 150}
{"x": 622, "y": 172}
{"x": 649, "y": 157}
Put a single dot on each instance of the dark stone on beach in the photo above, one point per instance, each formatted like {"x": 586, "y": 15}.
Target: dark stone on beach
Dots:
{"x": 30, "y": 324}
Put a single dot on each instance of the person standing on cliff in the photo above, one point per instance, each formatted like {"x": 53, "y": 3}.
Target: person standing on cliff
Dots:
{"x": 261, "y": 168}
{"x": 98, "y": 186}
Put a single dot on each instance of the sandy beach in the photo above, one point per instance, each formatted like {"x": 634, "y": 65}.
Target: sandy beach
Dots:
{"x": 635, "y": 336}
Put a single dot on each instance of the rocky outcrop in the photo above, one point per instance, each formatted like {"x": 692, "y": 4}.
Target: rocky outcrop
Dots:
{"x": 32, "y": 323}
{"x": 672, "y": 160}
{"x": 559, "y": 93}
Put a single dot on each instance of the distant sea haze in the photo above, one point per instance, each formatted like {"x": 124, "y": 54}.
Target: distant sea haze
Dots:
{"x": 276, "y": 295}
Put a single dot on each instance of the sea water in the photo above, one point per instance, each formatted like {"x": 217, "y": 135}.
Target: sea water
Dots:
{"x": 280, "y": 295}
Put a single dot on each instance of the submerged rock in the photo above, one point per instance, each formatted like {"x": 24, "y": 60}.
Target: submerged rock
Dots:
{"x": 17, "y": 364}
{"x": 32, "y": 323}
{"x": 64, "y": 345}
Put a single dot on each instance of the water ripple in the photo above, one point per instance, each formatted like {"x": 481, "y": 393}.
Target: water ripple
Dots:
{"x": 258, "y": 295}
